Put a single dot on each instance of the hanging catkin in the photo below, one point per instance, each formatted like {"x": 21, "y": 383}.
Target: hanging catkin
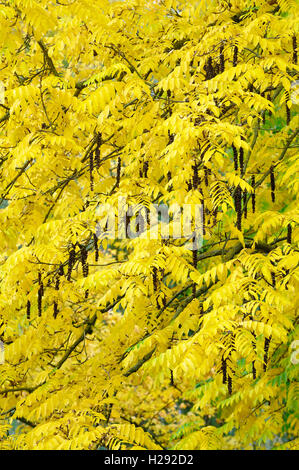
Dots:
{"x": 235, "y": 155}
{"x": 254, "y": 345}
{"x": 288, "y": 111}
{"x": 148, "y": 216}
{"x": 170, "y": 187}
{"x": 85, "y": 268}
{"x": 266, "y": 351}
{"x": 238, "y": 206}
{"x": 140, "y": 169}
{"x": 245, "y": 203}
{"x": 170, "y": 137}
{"x": 241, "y": 160}
{"x": 55, "y": 309}
{"x": 28, "y": 307}
{"x": 203, "y": 216}
{"x": 55, "y": 305}
{"x": 83, "y": 253}
{"x": 272, "y": 181}
{"x": 98, "y": 151}
{"x": 145, "y": 168}
{"x": 289, "y": 235}
{"x": 96, "y": 248}
{"x": 57, "y": 284}
{"x": 91, "y": 170}
{"x": 194, "y": 262}
{"x": 118, "y": 170}
{"x": 264, "y": 111}
{"x": 235, "y": 57}
{"x": 71, "y": 262}
{"x": 224, "y": 370}
{"x": 221, "y": 66}
{"x": 215, "y": 212}
{"x": 253, "y": 194}
{"x": 40, "y": 295}
{"x": 229, "y": 385}
{"x": 206, "y": 172}
{"x": 195, "y": 178}
{"x": 128, "y": 220}
{"x": 171, "y": 378}
{"x": 209, "y": 69}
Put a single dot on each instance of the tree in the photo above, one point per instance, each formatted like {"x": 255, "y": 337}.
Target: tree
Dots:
{"x": 149, "y": 341}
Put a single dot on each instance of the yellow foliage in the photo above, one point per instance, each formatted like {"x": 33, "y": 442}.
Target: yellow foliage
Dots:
{"x": 117, "y": 331}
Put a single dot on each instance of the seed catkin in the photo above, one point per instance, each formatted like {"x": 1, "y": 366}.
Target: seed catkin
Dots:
{"x": 224, "y": 371}
{"x": 272, "y": 181}
{"x": 96, "y": 248}
{"x": 195, "y": 178}
{"x": 289, "y": 235}
{"x": 266, "y": 351}
{"x": 235, "y": 57}
{"x": 28, "y": 307}
{"x": 91, "y": 171}
{"x": 71, "y": 262}
{"x": 155, "y": 279}
{"x": 221, "y": 65}
{"x": 253, "y": 194}
{"x": 98, "y": 151}
{"x": 40, "y": 295}
{"x": 118, "y": 171}
{"x": 238, "y": 206}
{"x": 235, "y": 155}
{"x": 241, "y": 160}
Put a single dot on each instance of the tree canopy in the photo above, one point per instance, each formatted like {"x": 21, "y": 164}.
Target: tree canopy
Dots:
{"x": 148, "y": 342}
